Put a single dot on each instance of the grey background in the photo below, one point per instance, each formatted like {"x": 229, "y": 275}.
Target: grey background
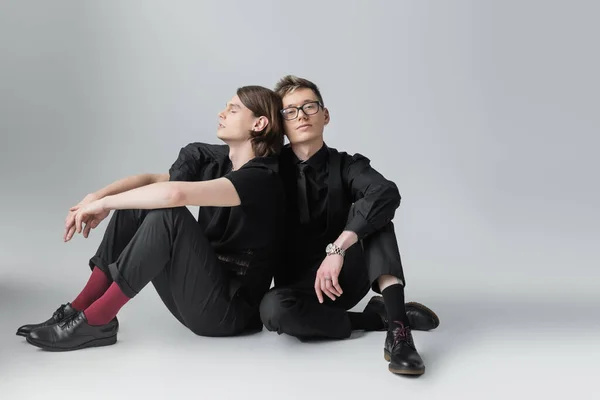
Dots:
{"x": 484, "y": 113}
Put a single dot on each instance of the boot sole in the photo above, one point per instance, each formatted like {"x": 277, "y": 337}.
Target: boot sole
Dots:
{"x": 92, "y": 343}
{"x": 399, "y": 370}
{"x": 425, "y": 308}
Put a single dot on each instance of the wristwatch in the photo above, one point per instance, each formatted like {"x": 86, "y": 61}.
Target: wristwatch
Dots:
{"x": 332, "y": 248}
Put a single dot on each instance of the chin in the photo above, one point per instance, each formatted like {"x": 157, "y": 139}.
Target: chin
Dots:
{"x": 306, "y": 138}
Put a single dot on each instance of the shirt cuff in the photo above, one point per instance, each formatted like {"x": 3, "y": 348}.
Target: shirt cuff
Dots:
{"x": 359, "y": 225}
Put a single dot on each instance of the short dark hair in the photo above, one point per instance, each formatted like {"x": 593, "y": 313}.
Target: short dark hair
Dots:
{"x": 264, "y": 102}
{"x": 289, "y": 83}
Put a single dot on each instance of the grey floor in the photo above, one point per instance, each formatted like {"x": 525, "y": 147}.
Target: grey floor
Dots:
{"x": 483, "y": 349}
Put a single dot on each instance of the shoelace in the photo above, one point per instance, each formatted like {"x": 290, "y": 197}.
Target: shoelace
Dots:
{"x": 59, "y": 313}
{"x": 70, "y": 321}
{"x": 402, "y": 334}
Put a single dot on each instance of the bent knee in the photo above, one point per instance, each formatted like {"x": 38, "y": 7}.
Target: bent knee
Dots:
{"x": 169, "y": 216}
{"x": 269, "y": 306}
{"x": 273, "y": 307}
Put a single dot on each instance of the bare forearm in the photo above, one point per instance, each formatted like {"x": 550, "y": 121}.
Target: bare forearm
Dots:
{"x": 151, "y": 196}
{"x": 346, "y": 239}
{"x": 213, "y": 193}
{"x": 129, "y": 183}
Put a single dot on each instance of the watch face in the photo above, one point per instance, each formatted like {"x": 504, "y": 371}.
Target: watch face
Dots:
{"x": 329, "y": 248}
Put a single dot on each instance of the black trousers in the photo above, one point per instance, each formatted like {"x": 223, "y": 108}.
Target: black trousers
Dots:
{"x": 168, "y": 248}
{"x": 295, "y": 310}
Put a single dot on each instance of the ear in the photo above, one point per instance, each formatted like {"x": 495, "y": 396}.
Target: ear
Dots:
{"x": 260, "y": 124}
{"x": 326, "y": 113}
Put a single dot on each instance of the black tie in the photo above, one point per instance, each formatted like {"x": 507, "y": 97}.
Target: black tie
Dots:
{"x": 303, "y": 210}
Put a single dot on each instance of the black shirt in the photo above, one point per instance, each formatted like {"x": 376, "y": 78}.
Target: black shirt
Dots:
{"x": 246, "y": 238}
{"x": 374, "y": 197}
{"x": 311, "y": 181}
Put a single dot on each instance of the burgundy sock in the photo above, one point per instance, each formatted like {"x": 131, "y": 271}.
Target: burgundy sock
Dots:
{"x": 94, "y": 288}
{"x": 103, "y": 310}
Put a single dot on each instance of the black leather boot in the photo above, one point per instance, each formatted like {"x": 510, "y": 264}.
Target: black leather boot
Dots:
{"x": 401, "y": 352}
{"x": 420, "y": 317}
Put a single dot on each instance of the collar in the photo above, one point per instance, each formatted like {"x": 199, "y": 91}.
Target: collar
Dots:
{"x": 317, "y": 161}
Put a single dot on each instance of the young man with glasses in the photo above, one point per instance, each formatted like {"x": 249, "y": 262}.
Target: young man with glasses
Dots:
{"x": 341, "y": 241}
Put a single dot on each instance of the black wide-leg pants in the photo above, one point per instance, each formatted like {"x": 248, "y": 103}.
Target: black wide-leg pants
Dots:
{"x": 168, "y": 248}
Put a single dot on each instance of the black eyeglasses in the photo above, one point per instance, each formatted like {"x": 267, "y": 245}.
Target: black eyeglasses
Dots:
{"x": 307, "y": 108}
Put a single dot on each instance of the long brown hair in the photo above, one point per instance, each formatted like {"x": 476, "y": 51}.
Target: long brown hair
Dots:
{"x": 264, "y": 102}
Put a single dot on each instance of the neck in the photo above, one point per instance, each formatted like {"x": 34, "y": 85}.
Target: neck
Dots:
{"x": 306, "y": 150}
{"x": 240, "y": 153}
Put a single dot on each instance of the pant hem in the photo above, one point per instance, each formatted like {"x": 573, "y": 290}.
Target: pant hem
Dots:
{"x": 98, "y": 262}
{"x": 375, "y": 282}
{"x": 120, "y": 281}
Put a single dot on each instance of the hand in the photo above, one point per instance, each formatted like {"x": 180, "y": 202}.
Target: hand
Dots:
{"x": 327, "y": 277}
{"x": 70, "y": 220}
{"x": 90, "y": 214}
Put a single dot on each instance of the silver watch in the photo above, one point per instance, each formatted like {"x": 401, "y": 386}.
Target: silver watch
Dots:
{"x": 332, "y": 248}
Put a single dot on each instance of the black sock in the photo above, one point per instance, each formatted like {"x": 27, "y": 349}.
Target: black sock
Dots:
{"x": 365, "y": 321}
{"x": 393, "y": 297}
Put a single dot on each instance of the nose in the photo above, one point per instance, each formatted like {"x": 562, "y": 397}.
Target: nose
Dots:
{"x": 221, "y": 114}
{"x": 301, "y": 114}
